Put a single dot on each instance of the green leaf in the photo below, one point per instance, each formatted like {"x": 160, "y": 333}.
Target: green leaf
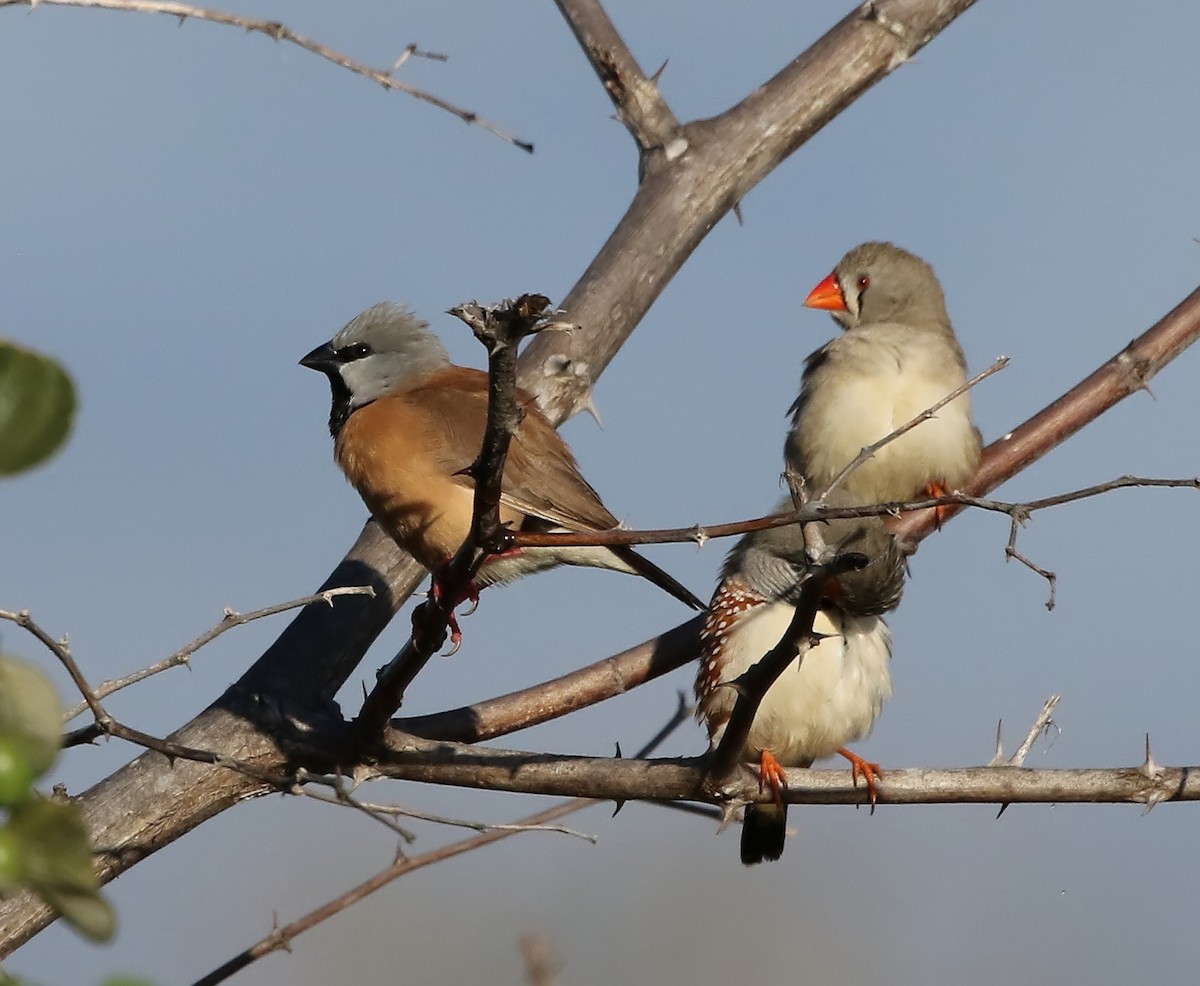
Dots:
{"x": 37, "y": 403}
{"x": 30, "y": 715}
{"x": 56, "y": 863}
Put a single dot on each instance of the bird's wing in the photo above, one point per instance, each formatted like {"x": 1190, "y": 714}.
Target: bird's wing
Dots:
{"x": 541, "y": 477}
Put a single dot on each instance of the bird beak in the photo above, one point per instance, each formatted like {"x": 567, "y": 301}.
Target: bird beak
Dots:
{"x": 322, "y": 358}
{"x": 827, "y": 295}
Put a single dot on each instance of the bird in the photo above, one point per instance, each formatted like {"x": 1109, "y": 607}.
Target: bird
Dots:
{"x": 407, "y": 423}
{"x": 838, "y": 690}
{"x": 897, "y": 357}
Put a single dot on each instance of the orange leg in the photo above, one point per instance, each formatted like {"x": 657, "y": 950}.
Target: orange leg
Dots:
{"x": 941, "y": 513}
{"x": 770, "y": 771}
{"x": 869, "y": 772}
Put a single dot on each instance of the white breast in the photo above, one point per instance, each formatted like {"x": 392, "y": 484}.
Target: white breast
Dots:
{"x": 832, "y": 699}
{"x": 873, "y": 381}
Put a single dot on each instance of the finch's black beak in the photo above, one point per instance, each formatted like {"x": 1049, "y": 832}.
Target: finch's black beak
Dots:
{"x": 322, "y": 358}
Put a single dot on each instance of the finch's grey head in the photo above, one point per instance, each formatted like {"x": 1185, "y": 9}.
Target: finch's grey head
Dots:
{"x": 879, "y": 282}
{"x": 385, "y": 349}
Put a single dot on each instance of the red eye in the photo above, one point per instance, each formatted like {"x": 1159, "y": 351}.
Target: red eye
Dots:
{"x": 864, "y": 282}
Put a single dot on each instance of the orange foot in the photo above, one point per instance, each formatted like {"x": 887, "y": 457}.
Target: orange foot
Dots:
{"x": 869, "y": 772}
{"x": 942, "y": 512}
{"x": 770, "y": 771}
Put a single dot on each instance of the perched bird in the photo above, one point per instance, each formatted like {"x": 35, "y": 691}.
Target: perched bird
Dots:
{"x": 838, "y": 690}
{"x": 407, "y": 422}
{"x": 897, "y": 357}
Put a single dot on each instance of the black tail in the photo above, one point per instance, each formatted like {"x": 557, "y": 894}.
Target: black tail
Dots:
{"x": 764, "y": 829}
{"x": 648, "y": 570}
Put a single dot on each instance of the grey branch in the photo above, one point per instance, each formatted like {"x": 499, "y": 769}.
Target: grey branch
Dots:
{"x": 230, "y": 620}
{"x": 281, "y": 32}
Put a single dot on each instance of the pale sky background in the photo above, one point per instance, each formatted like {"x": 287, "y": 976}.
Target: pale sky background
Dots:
{"x": 188, "y": 210}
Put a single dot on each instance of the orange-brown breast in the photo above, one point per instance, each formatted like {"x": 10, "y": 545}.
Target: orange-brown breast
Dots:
{"x": 403, "y": 453}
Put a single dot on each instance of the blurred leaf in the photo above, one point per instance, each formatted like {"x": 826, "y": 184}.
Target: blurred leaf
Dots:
{"x": 37, "y": 403}
{"x": 30, "y": 715}
{"x": 56, "y": 863}
{"x": 123, "y": 981}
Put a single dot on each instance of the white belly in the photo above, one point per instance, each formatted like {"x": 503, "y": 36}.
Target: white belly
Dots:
{"x": 833, "y": 698}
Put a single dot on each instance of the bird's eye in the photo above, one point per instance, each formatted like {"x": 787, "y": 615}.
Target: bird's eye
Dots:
{"x": 347, "y": 354}
{"x": 864, "y": 282}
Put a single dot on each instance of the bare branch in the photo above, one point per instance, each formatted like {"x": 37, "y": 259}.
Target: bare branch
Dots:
{"x": 683, "y": 778}
{"x": 1041, "y": 725}
{"x": 61, "y": 650}
{"x": 280, "y": 32}
{"x": 1010, "y": 551}
{"x": 815, "y": 510}
{"x": 230, "y": 620}
{"x": 639, "y": 104}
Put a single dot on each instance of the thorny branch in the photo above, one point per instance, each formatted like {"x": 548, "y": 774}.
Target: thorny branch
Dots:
{"x": 280, "y": 32}
{"x": 231, "y": 619}
{"x": 815, "y": 510}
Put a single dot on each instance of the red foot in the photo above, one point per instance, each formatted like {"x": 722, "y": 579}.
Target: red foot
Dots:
{"x": 869, "y": 772}
{"x": 770, "y": 771}
{"x": 942, "y": 512}
{"x": 437, "y": 592}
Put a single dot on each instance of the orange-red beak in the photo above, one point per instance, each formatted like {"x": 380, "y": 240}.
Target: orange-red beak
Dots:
{"x": 827, "y": 295}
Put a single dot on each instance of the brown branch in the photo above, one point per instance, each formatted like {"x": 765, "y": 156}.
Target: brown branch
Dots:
{"x": 815, "y": 510}
{"x": 500, "y": 328}
{"x": 280, "y": 32}
{"x": 548, "y": 700}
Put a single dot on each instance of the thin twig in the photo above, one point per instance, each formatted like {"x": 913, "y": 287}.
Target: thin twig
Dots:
{"x": 1010, "y": 551}
{"x": 280, "y": 32}
{"x": 816, "y": 511}
{"x": 61, "y": 650}
{"x": 1040, "y": 725}
{"x": 282, "y": 937}
{"x": 478, "y": 826}
{"x": 230, "y": 620}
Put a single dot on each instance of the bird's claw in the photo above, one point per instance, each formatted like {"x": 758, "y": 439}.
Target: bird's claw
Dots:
{"x": 868, "y": 771}
{"x": 771, "y": 771}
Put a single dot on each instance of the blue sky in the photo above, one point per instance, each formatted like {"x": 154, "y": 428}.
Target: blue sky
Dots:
{"x": 189, "y": 210}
